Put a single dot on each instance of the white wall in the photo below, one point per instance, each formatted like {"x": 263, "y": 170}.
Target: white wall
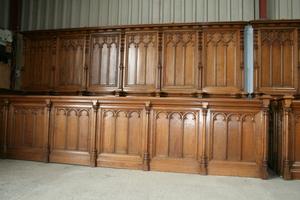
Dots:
{"x": 52, "y": 14}
{"x": 4, "y": 14}
{"x": 284, "y": 9}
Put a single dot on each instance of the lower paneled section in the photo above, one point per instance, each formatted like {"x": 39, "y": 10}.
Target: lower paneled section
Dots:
{"x": 190, "y": 135}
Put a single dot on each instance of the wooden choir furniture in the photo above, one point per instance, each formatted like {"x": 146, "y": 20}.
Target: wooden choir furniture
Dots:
{"x": 207, "y": 136}
{"x": 166, "y": 97}
{"x": 156, "y": 60}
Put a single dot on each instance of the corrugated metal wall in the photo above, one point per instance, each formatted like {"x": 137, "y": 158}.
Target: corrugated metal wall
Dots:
{"x": 284, "y": 9}
{"x": 4, "y": 14}
{"x": 52, "y": 14}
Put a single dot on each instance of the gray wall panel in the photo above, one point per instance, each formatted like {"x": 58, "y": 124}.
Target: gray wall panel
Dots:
{"x": 283, "y": 9}
{"x": 51, "y": 14}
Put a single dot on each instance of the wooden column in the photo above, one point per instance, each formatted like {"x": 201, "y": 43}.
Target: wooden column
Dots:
{"x": 120, "y": 91}
{"x": 200, "y": 66}
{"x": 159, "y": 67}
{"x": 265, "y": 135}
{"x": 286, "y": 108}
{"x": 146, "y": 157}
{"x": 94, "y": 131}
{"x": 203, "y": 162}
{"x": 47, "y": 139}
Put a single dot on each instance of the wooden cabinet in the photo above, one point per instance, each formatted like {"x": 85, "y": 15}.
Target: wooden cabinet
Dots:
{"x": 72, "y": 131}
{"x": 141, "y": 62}
{"x": 39, "y": 63}
{"x": 27, "y": 136}
{"x": 276, "y": 58}
{"x": 223, "y": 70}
{"x": 104, "y": 62}
{"x": 217, "y": 135}
{"x": 70, "y": 63}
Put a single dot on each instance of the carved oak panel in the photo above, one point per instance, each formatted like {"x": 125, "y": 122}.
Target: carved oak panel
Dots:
{"x": 175, "y": 140}
{"x": 180, "y": 61}
{"x": 141, "y": 61}
{"x": 39, "y": 61}
{"x": 104, "y": 62}
{"x": 28, "y": 131}
{"x": 71, "y": 132}
{"x": 70, "y": 68}
{"x": 237, "y": 141}
{"x": 222, "y": 61}
{"x": 121, "y": 136}
{"x": 233, "y": 137}
{"x": 276, "y": 61}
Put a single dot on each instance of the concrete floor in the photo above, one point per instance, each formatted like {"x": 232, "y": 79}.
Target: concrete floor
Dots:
{"x": 24, "y": 180}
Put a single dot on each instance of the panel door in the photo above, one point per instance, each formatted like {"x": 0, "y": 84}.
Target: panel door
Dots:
{"x": 180, "y": 62}
{"x": 72, "y": 126}
{"x": 121, "y": 136}
{"x": 277, "y": 61}
{"x": 141, "y": 62}
{"x": 234, "y": 142}
{"x": 175, "y": 140}
{"x": 104, "y": 62}
{"x": 39, "y": 60}
{"x": 27, "y": 136}
{"x": 222, "y": 61}
{"x": 70, "y": 63}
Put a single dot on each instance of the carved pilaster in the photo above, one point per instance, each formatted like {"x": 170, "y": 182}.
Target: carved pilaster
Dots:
{"x": 146, "y": 156}
{"x": 286, "y": 108}
{"x": 200, "y": 64}
{"x": 159, "y": 67}
{"x": 48, "y": 137}
{"x": 120, "y": 91}
{"x": 203, "y": 162}
{"x": 94, "y": 153}
{"x": 265, "y": 135}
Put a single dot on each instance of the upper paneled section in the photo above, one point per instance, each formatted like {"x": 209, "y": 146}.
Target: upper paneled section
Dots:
{"x": 54, "y": 14}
